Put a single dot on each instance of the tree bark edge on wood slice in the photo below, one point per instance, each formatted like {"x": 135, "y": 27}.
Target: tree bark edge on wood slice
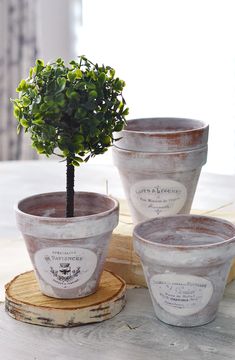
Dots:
{"x": 25, "y": 302}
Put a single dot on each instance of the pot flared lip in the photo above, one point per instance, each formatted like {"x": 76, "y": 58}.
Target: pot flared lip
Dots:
{"x": 204, "y": 126}
{"x": 152, "y": 153}
{"x": 185, "y": 247}
{"x": 52, "y": 219}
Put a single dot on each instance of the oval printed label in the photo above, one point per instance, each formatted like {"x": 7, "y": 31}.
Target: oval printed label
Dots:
{"x": 181, "y": 294}
{"x": 65, "y": 268}
{"x": 158, "y": 197}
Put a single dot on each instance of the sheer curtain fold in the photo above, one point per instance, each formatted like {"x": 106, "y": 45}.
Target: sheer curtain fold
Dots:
{"x": 18, "y": 51}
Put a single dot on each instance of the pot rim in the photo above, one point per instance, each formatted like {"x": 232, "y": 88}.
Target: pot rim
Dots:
{"x": 52, "y": 219}
{"x": 184, "y": 247}
{"x": 163, "y": 133}
{"x": 149, "y": 153}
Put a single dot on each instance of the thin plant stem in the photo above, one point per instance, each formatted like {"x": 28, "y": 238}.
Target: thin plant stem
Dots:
{"x": 69, "y": 189}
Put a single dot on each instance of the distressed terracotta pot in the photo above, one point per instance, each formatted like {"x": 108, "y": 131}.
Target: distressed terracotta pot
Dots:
{"x": 67, "y": 254}
{"x": 159, "y": 161}
{"x": 186, "y": 260}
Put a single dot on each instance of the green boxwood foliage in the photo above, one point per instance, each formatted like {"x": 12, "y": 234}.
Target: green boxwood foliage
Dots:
{"x": 71, "y": 110}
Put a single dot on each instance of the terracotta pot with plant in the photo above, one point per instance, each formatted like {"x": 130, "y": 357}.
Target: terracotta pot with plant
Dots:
{"x": 71, "y": 111}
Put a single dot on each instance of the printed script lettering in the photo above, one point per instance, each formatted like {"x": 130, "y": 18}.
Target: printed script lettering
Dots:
{"x": 157, "y": 202}
{"x": 159, "y": 190}
{"x": 158, "y": 197}
{"x": 66, "y": 267}
{"x": 180, "y": 294}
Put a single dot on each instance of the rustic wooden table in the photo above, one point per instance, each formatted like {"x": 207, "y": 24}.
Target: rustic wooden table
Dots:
{"x": 133, "y": 334}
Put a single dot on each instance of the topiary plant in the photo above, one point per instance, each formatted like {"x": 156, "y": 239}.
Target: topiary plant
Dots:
{"x": 71, "y": 111}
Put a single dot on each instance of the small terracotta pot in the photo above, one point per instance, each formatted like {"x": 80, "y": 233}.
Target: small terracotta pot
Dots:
{"x": 68, "y": 254}
{"x": 186, "y": 260}
{"x": 159, "y": 161}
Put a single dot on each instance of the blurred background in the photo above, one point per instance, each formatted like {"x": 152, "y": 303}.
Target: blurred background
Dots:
{"x": 177, "y": 58}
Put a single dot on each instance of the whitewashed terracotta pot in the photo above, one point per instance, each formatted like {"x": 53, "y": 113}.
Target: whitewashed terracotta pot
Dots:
{"x": 186, "y": 260}
{"x": 159, "y": 161}
{"x": 67, "y": 254}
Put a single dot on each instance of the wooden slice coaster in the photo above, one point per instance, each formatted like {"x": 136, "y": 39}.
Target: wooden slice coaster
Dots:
{"x": 25, "y": 302}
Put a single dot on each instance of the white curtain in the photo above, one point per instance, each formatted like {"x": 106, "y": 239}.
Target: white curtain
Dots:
{"x": 29, "y": 29}
{"x": 18, "y": 51}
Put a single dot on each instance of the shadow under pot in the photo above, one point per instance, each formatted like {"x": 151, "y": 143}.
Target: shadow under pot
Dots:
{"x": 159, "y": 162}
{"x": 68, "y": 254}
{"x": 186, "y": 261}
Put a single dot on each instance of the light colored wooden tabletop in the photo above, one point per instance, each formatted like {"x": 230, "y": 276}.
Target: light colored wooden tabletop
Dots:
{"x": 133, "y": 334}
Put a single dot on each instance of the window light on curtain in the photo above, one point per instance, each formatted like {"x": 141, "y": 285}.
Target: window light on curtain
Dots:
{"x": 30, "y": 29}
{"x": 18, "y": 51}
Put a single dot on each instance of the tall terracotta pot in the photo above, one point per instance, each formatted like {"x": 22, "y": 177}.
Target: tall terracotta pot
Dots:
{"x": 159, "y": 161}
{"x": 67, "y": 254}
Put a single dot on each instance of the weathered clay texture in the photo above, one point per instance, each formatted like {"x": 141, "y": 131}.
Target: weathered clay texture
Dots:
{"x": 186, "y": 260}
{"x": 159, "y": 161}
{"x": 68, "y": 254}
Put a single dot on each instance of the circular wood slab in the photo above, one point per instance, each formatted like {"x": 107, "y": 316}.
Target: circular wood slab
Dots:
{"x": 25, "y": 302}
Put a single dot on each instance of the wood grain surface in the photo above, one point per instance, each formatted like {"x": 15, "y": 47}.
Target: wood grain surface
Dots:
{"x": 134, "y": 334}
{"x": 25, "y": 302}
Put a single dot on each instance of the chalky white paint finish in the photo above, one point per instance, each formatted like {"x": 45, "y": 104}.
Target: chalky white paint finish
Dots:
{"x": 88, "y": 232}
{"x": 159, "y": 151}
{"x": 186, "y": 260}
{"x": 155, "y": 134}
